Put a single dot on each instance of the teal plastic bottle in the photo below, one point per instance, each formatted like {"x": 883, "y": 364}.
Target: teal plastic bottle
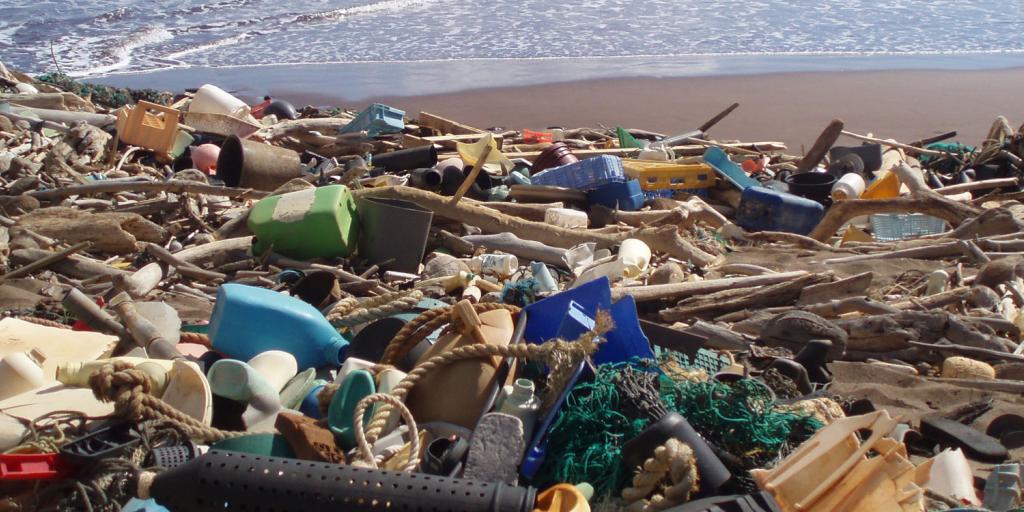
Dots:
{"x": 247, "y": 321}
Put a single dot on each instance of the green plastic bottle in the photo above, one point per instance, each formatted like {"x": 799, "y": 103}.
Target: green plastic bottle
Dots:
{"x": 306, "y": 224}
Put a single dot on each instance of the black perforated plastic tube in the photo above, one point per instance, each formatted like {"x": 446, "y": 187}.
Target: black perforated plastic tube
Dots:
{"x": 222, "y": 480}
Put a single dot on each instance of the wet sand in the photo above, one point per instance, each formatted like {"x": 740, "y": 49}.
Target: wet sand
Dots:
{"x": 787, "y": 107}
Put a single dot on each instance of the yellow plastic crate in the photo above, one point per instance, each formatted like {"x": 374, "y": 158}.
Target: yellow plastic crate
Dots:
{"x": 668, "y": 175}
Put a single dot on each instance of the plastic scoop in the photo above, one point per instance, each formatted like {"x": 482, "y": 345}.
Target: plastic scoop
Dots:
{"x": 496, "y": 161}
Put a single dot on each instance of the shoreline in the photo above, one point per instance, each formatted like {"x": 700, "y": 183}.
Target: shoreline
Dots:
{"x": 791, "y": 107}
{"x": 786, "y": 107}
{"x": 354, "y": 82}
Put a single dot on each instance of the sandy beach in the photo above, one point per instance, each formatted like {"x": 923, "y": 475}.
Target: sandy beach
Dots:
{"x": 787, "y": 107}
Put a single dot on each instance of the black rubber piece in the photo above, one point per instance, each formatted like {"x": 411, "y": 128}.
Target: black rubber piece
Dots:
{"x": 1013, "y": 439}
{"x": 861, "y": 406}
{"x": 757, "y": 502}
{"x": 223, "y": 480}
{"x": 813, "y": 357}
{"x": 1005, "y": 423}
{"x": 976, "y": 445}
{"x": 870, "y": 155}
{"x": 713, "y": 474}
{"x": 406, "y": 159}
{"x": 794, "y": 371}
{"x": 282, "y": 109}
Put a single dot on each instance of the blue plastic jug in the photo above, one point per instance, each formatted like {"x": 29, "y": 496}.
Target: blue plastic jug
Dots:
{"x": 247, "y": 321}
{"x": 764, "y": 209}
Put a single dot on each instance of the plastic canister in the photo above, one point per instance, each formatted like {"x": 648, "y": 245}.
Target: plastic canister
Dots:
{"x": 305, "y": 224}
{"x": 210, "y": 99}
{"x": 247, "y": 321}
{"x": 566, "y": 218}
{"x": 20, "y": 372}
{"x": 496, "y": 264}
{"x": 850, "y": 186}
{"x": 763, "y": 209}
{"x": 635, "y": 256}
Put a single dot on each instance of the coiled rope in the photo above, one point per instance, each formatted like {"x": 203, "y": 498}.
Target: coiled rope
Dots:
{"x": 665, "y": 480}
{"x": 351, "y": 312}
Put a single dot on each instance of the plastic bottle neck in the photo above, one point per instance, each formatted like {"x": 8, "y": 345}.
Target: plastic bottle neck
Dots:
{"x": 522, "y": 390}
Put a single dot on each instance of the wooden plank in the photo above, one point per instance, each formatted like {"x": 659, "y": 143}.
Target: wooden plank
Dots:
{"x": 445, "y": 141}
{"x": 444, "y": 125}
{"x": 689, "y": 150}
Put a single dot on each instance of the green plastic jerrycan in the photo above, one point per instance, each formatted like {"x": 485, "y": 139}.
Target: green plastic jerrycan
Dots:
{"x": 306, "y": 224}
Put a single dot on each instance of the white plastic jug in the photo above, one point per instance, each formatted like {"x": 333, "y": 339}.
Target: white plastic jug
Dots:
{"x": 635, "y": 256}
{"x": 210, "y": 99}
{"x": 566, "y": 218}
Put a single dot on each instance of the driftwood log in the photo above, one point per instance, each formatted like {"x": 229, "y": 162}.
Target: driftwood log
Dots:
{"x": 726, "y": 301}
{"x": 110, "y": 232}
{"x": 886, "y": 333}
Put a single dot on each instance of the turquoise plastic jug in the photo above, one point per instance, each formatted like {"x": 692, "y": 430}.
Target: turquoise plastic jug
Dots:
{"x": 247, "y": 321}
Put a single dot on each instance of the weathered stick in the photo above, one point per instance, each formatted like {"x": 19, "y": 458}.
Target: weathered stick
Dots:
{"x": 977, "y": 185}
{"x": 183, "y": 267}
{"x": 961, "y": 350}
{"x": 719, "y": 337}
{"x": 141, "y": 282}
{"x": 682, "y": 290}
{"x": 841, "y": 289}
{"x": 534, "y": 212}
{"x": 45, "y": 261}
{"x": 922, "y": 200}
{"x": 730, "y": 300}
{"x": 218, "y": 250}
{"x": 894, "y": 144}
{"x": 821, "y": 146}
{"x": 526, "y": 249}
{"x": 176, "y": 186}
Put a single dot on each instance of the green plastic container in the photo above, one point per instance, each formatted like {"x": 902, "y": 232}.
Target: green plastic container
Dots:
{"x": 306, "y": 224}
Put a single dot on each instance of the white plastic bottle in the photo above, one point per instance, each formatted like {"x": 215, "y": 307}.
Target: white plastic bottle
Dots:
{"x": 566, "y": 218}
{"x": 850, "y": 186}
{"x": 518, "y": 400}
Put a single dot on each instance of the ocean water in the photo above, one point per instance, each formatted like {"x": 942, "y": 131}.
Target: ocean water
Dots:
{"x": 106, "y": 39}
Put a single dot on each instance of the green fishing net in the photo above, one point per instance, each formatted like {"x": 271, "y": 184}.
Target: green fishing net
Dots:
{"x": 111, "y": 97}
{"x": 599, "y": 417}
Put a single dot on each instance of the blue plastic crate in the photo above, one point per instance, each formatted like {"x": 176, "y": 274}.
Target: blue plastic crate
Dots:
{"x": 669, "y": 193}
{"x": 583, "y": 175}
{"x": 626, "y": 196}
{"x": 376, "y": 119}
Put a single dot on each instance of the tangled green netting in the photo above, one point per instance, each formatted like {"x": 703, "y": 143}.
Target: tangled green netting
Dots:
{"x": 585, "y": 442}
{"x": 105, "y": 95}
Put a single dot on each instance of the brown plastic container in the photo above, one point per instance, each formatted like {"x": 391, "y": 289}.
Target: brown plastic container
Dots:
{"x": 553, "y": 156}
{"x": 249, "y": 164}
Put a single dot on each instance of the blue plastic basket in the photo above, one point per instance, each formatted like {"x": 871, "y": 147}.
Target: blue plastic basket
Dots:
{"x": 889, "y": 227}
{"x": 583, "y": 175}
{"x": 669, "y": 193}
{"x": 376, "y": 119}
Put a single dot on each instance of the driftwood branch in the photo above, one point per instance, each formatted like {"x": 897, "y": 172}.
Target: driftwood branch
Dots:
{"x": 922, "y": 200}
{"x": 176, "y": 186}
{"x": 665, "y": 239}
